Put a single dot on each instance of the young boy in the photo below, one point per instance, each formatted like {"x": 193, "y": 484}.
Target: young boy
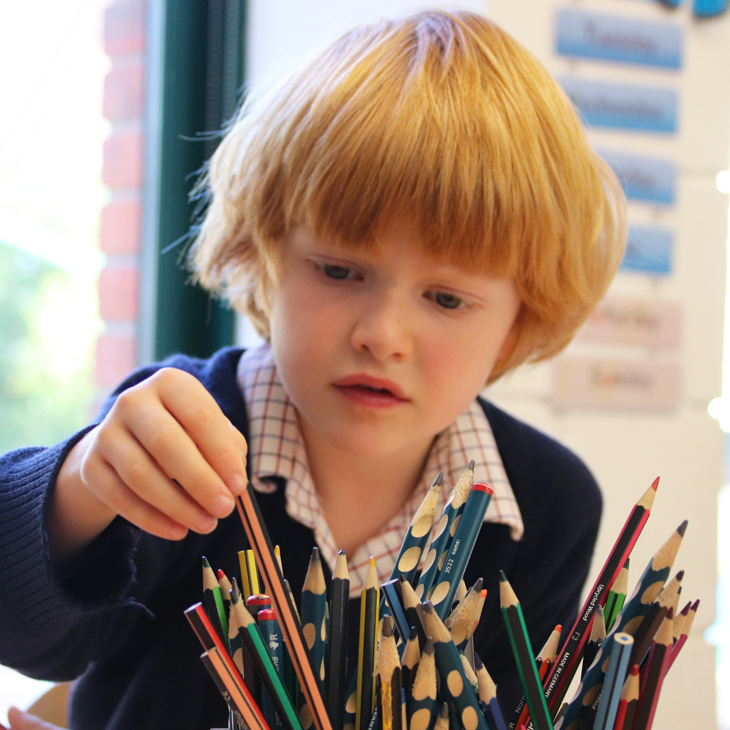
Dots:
{"x": 412, "y": 216}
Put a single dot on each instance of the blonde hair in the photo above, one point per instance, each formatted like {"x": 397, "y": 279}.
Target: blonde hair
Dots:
{"x": 441, "y": 116}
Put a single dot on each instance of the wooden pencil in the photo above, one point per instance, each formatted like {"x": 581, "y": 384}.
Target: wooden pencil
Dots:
{"x": 617, "y": 595}
{"x": 214, "y": 602}
{"x": 423, "y": 705}
{"x": 391, "y": 597}
{"x": 369, "y": 603}
{"x": 250, "y": 675}
{"x": 629, "y": 700}
{"x": 686, "y": 628}
{"x": 412, "y": 607}
{"x": 460, "y": 548}
{"x": 635, "y": 608}
{"x": 658, "y": 662}
{"x": 208, "y": 637}
{"x": 570, "y": 653}
{"x": 267, "y": 564}
{"x": 451, "y": 671}
{"x": 314, "y": 609}
{"x": 410, "y": 661}
{"x": 598, "y": 634}
{"x": 463, "y": 620}
{"x": 615, "y": 677}
{"x": 488, "y": 694}
{"x": 409, "y": 557}
{"x": 389, "y": 672}
{"x": 339, "y": 603}
{"x": 233, "y": 691}
{"x": 453, "y": 509}
{"x": 265, "y": 668}
{"x": 524, "y": 657}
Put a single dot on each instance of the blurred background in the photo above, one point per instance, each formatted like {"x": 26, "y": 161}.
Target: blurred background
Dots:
{"x": 107, "y": 106}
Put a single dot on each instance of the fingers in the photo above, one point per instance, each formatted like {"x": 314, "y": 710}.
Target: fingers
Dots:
{"x": 166, "y": 458}
{"x": 20, "y": 720}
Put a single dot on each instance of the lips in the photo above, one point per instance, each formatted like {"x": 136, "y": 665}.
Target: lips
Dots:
{"x": 371, "y": 391}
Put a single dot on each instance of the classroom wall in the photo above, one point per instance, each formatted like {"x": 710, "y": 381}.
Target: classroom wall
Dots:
{"x": 671, "y": 435}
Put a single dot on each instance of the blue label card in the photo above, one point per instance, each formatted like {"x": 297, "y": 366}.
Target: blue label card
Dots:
{"x": 649, "y": 251}
{"x": 643, "y": 178}
{"x": 623, "y": 106}
{"x": 614, "y": 38}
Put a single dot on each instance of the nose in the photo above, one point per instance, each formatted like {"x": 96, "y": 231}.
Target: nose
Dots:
{"x": 383, "y": 328}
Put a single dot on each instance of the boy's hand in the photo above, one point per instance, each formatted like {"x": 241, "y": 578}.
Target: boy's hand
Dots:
{"x": 165, "y": 458}
{"x": 20, "y": 720}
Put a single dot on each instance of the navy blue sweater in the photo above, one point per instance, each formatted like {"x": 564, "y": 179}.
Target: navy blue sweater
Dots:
{"x": 116, "y": 617}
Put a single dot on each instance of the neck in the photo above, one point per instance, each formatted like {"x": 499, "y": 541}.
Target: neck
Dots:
{"x": 361, "y": 494}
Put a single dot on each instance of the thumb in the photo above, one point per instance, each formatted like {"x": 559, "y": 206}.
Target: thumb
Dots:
{"x": 20, "y": 720}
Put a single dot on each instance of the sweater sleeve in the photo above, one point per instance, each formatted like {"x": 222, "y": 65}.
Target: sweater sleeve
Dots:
{"x": 53, "y": 624}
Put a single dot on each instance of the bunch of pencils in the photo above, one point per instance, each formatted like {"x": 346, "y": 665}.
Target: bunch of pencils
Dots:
{"x": 416, "y": 665}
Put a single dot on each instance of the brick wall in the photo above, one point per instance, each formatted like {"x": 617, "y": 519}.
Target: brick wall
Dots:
{"x": 122, "y": 172}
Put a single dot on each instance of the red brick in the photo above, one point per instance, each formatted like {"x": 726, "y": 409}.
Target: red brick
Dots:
{"x": 124, "y": 92}
{"x": 125, "y": 27}
{"x": 121, "y": 227}
{"x": 122, "y": 167}
{"x": 118, "y": 292}
{"x": 115, "y": 358}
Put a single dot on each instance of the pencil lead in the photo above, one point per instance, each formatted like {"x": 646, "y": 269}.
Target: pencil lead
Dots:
{"x": 438, "y": 481}
{"x": 682, "y": 528}
{"x": 655, "y": 484}
{"x": 502, "y": 576}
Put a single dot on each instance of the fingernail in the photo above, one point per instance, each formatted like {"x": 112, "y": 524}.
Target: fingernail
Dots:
{"x": 205, "y": 523}
{"x": 237, "y": 484}
{"x": 222, "y": 506}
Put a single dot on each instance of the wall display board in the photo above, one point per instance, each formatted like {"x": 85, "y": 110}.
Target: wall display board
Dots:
{"x": 616, "y": 383}
{"x": 623, "y": 106}
{"x": 649, "y": 250}
{"x": 637, "y": 322}
{"x": 645, "y": 179}
{"x": 615, "y": 38}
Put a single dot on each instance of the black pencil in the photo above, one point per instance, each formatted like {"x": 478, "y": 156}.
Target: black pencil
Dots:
{"x": 369, "y": 600}
{"x": 338, "y": 642}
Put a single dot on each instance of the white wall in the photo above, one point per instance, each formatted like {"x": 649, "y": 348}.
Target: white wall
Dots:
{"x": 626, "y": 449}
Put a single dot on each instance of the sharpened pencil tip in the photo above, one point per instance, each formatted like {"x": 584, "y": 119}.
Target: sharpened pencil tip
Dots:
{"x": 438, "y": 481}
{"x": 206, "y": 564}
{"x": 502, "y": 577}
{"x": 655, "y": 484}
{"x": 682, "y": 528}
{"x": 470, "y": 465}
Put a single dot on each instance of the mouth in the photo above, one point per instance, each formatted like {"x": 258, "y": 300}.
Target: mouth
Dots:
{"x": 369, "y": 390}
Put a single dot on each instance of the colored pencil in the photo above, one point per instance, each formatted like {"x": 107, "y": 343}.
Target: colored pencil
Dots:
{"x": 460, "y": 548}
{"x": 235, "y": 643}
{"x": 657, "y": 663}
{"x": 267, "y": 564}
{"x": 628, "y": 702}
{"x": 413, "y": 609}
{"x": 339, "y": 602}
{"x": 451, "y": 671}
{"x": 598, "y": 634}
{"x": 234, "y": 692}
{"x": 369, "y": 602}
{"x": 524, "y": 657}
{"x": 265, "y": 668}
{"x": 635, "y": 608}
{"x": 391, "y": 598}
{"x": 615, "y": 677}
{"x": 314, "y": 609}
{"x": 206, "y": 633}
{"x": 645, "y": 633}
{"x": 570, "y": 654}
{"x": 617, "y": 595}
{"x": 214, "y": 602}
{"x": 686, "y": 628}
{"x": 423, "y": 705}
{"x": 452, "y": 511}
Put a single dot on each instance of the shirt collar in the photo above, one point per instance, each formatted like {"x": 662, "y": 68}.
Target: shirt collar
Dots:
{"x": 276, "y": 449}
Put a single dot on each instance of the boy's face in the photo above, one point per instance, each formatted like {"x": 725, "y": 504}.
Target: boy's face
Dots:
{"x": 381, "y": 350}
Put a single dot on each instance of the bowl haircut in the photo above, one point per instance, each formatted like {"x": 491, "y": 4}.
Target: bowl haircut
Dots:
{"x": 441, "y": 117}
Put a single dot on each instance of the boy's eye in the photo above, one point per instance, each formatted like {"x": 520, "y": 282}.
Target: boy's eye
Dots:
{"x": 333, "y": 271}
{"x": 446, "y": 300}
